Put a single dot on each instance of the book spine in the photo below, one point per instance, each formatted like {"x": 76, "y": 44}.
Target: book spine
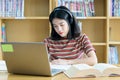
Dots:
{"x": 113, "y": 55}
{"x": 14, "y": 8}
{"x": 3, "y": 8}
{"x": 3, "y": 32}
{"x": 116, "y": 56}
{"x": 112, "y": 7}
{"x": 74, "y": 8}
{"x": 116, "y": 7}
{"x": 91, "y": 6}
{"x": 0, "y": 8}
{"x": 60, "y": 3}
{"x": 78, "y": 13}
{"x": 119, "y": 8}
{"x": 9, "y": 8}
{"x": 21, "y": 8}
{"x": 6, "y": 8}
{"x": 17, "y": 9}
{"x": 80, "y": 26}
{"x": 84, "y": 9}
{"x": 66, "y": 3}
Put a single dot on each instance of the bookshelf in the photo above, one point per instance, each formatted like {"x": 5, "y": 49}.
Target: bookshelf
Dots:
{"x": 33, "y": 27}
{"x": 102, "y": 29}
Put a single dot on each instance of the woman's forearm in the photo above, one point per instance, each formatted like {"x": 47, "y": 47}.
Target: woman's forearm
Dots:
{"x": 91, "y": 59}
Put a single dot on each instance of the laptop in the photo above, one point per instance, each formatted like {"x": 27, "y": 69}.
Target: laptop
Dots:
{"x": 27, "y": 58}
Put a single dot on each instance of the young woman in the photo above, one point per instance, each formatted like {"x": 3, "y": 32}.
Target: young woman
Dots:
{"x": 67, "y": 45}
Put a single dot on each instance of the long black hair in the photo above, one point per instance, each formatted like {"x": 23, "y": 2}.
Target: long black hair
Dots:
{"x": 62, "y": 12}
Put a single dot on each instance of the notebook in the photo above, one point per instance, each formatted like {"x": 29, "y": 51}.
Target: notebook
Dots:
{"x": 27, "y": 58}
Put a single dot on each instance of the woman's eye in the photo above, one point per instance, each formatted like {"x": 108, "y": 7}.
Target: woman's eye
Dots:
{"x": 62, "y": 25}
{"x": 55, "y": 26}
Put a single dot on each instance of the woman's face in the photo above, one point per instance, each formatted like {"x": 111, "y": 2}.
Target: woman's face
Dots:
{"x": 61, "y": 27}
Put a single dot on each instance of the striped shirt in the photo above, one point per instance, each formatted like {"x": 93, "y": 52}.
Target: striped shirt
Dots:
{"x": 69, "y": 49}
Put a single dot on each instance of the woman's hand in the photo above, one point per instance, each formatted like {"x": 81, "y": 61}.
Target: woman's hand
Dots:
{"x": 61, "y": 62}
{"x": 89, "y": 59}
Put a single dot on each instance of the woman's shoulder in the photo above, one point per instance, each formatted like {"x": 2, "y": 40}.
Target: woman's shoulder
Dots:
{"x": 46, "y": 40}
{"x": 82, "y": 35}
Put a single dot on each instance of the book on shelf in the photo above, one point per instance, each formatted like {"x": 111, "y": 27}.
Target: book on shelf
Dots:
{"x": 84, "y": 70}
{"x": 113, "y": 55}
{"x": 3, "y": 32}
{"x": 79, "y": 8}
{"x": 11, "y": 8}
{"x": 80, "y": 25}
{"x": 114, "y": 7}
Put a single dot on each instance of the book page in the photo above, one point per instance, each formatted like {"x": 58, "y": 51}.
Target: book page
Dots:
{"x": 62, "y": 67}
{"x": 102, "y": 66}
{"x": 66, "y": 67}
{"x": 82, "y": 66}
{"x": 81, "y": 70}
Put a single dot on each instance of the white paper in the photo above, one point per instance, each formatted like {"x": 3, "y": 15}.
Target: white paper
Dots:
{"x": 62, "y": 67}
{"x": 3, "y": 66}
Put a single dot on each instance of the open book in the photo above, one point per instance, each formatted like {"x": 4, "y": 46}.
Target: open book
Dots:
{"x": 84, "y": 70}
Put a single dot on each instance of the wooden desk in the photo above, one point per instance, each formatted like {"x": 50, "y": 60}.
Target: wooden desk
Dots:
{"x": 61, "y": 76}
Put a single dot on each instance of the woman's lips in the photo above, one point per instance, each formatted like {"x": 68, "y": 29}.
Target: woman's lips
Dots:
{"x": 60, "y": 32}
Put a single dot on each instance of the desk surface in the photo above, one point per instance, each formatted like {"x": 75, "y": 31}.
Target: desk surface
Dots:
{"x": 61, "y": 76}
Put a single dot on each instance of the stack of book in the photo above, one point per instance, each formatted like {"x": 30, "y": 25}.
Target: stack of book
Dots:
{"x": 80, "y": 8}
{"x": 114, "y": 7}
{"x": 11, "y": 8}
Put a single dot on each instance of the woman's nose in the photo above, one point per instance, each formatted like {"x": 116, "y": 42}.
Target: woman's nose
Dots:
{"x": 59, "y": 28}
